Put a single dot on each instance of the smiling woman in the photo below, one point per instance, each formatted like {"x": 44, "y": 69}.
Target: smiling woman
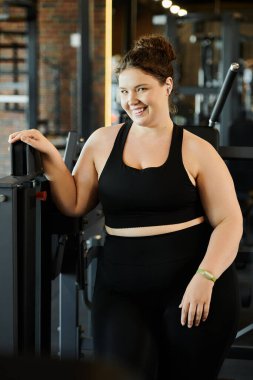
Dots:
{"x": 154, "y": 67}
{"x": 142, "y": 96}
{"x": 166, "y": 228}
{"x": 166, "y": 224}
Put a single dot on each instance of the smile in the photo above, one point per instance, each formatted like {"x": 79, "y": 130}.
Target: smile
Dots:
{"x": 139, "y": 111}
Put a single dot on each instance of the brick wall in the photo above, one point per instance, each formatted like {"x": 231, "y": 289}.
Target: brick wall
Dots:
{"x": 10, "y": 121}
{"x": 57, "y": 20}
{"x": 98, "y": 64}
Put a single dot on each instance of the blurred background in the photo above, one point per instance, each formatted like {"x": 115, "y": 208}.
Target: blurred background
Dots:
{"x": 56, "y": 74}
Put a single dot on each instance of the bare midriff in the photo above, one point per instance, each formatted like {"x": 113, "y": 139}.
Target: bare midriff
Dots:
{"x": 153, "y": 230}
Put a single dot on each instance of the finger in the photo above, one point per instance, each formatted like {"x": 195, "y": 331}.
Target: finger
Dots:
{"x": 30, "y": 140}
{"x": 184, "y": 314}
{"x": 13, "y": 137}
{"x": 181, "y": 303}
{"x": 191, "y": 315}
{"x": 198, "y": 315}
{"x": 17, "y": 136}
{"x": 27, "y": 136}
{"x": 14, "y": 133}
{"x": 205, "y": 312}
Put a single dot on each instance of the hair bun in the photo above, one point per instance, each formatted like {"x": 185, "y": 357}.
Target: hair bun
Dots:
{"x": 157, "y": 42}
{"x": 151, "y": 53}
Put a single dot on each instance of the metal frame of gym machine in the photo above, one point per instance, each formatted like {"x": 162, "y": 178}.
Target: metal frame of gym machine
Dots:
{"x": 31, "y": 230}
{"x": 24, "y": 315}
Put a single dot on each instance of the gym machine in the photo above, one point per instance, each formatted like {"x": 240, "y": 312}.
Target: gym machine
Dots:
{"x": 21, "y": 259}
{"x": 39, "y": 245}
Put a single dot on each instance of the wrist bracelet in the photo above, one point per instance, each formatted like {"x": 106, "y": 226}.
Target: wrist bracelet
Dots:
{"x": 206, "y": 274}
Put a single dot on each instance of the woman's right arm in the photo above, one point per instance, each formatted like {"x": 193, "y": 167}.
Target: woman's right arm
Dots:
{"x": 74, "y": 194}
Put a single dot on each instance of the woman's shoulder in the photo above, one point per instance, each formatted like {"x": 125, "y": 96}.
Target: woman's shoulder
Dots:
{"x": 101, "y": 141}
{"x": 106, "y": 132}
{"x": 197, "y": 145}
{"x": 103, "y": 135}
{"x": 200, "y": 154}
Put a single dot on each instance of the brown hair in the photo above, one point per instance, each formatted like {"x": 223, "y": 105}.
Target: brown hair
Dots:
{"x": 153, "y": 54}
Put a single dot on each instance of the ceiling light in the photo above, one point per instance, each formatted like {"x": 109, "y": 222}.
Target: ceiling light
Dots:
{"x": 182, "y": 12}
{"x": 174, "y": 9}
{"x": 166, "y": 3}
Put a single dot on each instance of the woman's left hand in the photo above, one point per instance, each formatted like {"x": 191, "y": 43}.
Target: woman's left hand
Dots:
{"x": 195, "y": 303}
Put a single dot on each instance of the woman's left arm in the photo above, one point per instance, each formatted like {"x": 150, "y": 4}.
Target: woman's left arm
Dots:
{"x": 219, "y": 199}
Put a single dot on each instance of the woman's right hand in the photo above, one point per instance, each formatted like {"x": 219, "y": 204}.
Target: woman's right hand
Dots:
{"x": 34, "y": 138}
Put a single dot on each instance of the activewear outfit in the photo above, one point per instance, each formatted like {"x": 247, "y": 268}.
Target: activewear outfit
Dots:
{"x": 140, "y": 281}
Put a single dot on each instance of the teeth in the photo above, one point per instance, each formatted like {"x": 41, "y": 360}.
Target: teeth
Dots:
{"x": 140, "y": 110}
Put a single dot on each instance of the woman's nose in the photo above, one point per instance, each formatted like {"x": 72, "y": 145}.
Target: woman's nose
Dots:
{"x": 132, "y": 98}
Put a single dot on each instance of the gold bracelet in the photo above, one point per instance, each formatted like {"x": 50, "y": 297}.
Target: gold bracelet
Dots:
{"x": 206, "y": 274}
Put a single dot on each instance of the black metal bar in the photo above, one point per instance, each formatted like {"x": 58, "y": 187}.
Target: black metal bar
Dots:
{"x": 13, "y": 60}
{"x": 33, "y": 67}
{"x": 13, "y": 32}
{"x": 236, "y": 152}
{"x": 12, "y": 19}
{"x": 20, "y": 3}
{"x": 68, "y": 298}
{"x": 130, "y": 24}
{"x": 8, "y": 269}
{"x": 241, "y": 352}
{"x": 70, "y": 150}
{"x": 44, "y": 265}
{"x": 84, "y": 70}
{"x": 227, "y": 84}
{"x": 25, "y": 160}
{"x": 13, "y": 45}
{"x": 26, "y": 267}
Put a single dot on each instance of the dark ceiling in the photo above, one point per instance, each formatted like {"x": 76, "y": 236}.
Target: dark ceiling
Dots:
{"x": 200, "y": 5}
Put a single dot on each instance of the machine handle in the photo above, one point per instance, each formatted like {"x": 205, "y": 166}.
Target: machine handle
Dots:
{"x": 227, "y": 84}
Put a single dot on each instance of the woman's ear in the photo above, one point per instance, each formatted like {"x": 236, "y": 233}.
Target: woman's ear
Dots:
{"x": 169, "y": 88}
{"x": 169, "y": 83}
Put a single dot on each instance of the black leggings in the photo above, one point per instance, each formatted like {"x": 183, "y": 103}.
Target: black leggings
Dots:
{"x": 136, "y": 319}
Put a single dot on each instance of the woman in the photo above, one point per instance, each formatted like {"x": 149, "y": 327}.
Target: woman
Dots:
{"x": 166, "y": 297}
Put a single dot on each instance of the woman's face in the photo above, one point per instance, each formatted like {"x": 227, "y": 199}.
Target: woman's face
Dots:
{"x": 143, "y": 98}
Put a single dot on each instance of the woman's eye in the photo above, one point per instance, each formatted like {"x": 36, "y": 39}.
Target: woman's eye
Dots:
{"x": 141, "y": 89}
{"x": 123, "y": 91}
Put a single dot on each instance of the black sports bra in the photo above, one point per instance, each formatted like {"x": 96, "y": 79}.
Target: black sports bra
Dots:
{"x": 152, "y": 196}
